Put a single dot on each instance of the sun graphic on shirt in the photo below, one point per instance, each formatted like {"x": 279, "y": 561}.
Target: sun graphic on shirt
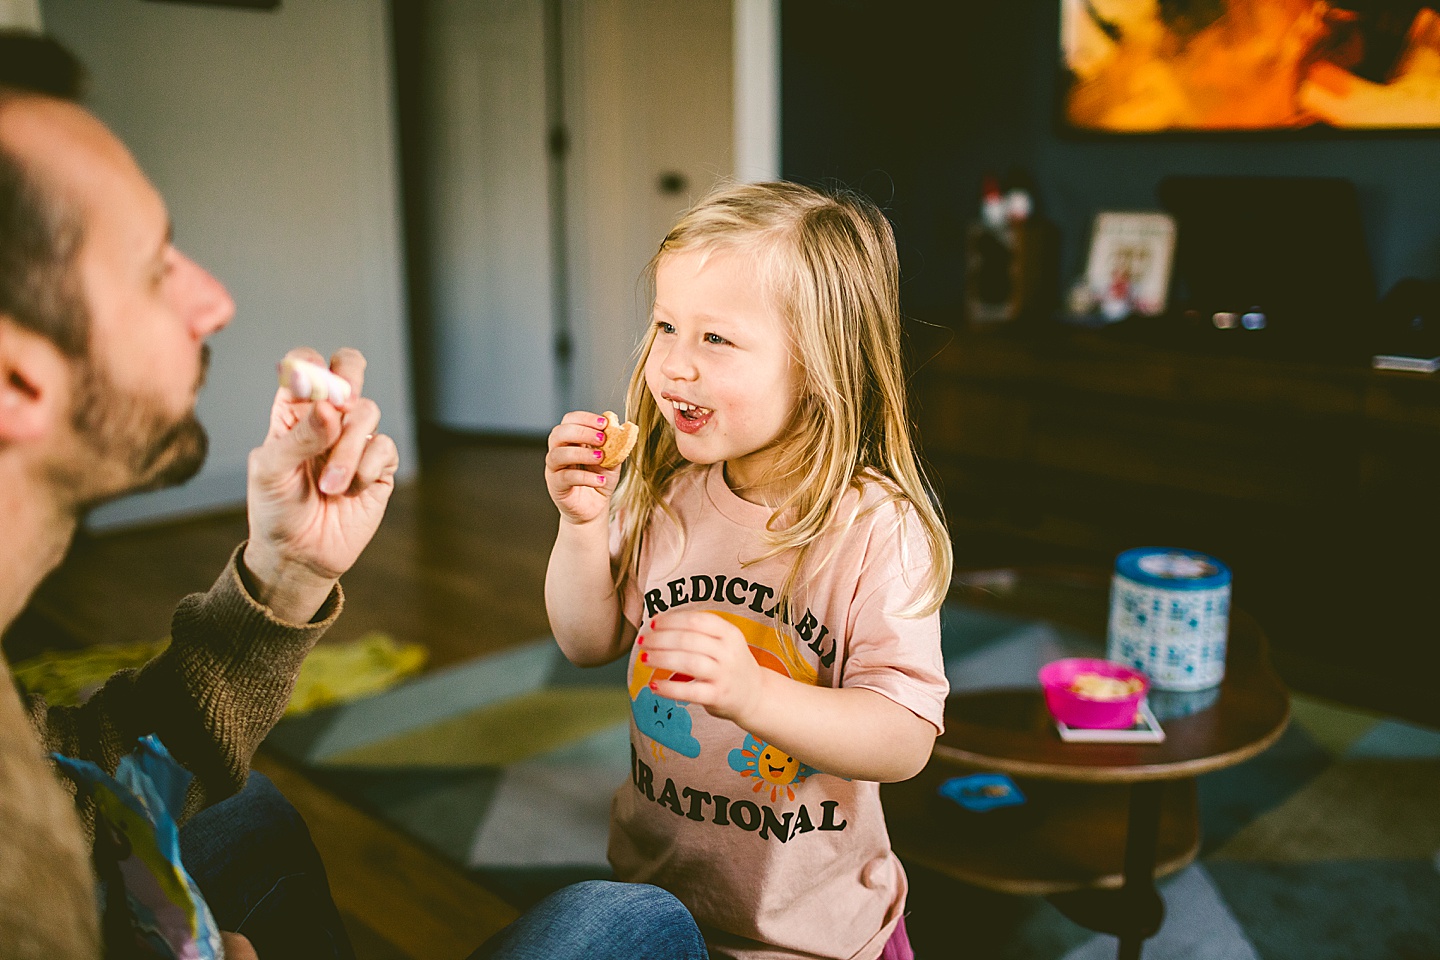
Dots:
{"x": 770, "y": 767}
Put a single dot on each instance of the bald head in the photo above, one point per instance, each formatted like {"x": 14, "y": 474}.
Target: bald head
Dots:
{"x": 66, "y": 149}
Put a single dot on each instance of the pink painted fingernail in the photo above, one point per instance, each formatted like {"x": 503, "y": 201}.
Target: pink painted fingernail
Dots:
{"x": 600, "y": 421}
{"x": 599, "y": 454}
{"x": 600, "y": 437}
{"x": 602, "y": 478}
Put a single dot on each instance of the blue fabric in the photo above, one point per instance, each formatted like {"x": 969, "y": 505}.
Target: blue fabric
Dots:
{"x": 600, "y": 920}
{"x": 252, "y": 857}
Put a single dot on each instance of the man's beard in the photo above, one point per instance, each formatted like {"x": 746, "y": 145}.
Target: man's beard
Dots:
{"x": 130, "y": 443}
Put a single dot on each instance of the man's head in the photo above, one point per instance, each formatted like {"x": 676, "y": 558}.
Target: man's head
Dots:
{"x": 31, "y": 61}
{"x": 102, "y": 321}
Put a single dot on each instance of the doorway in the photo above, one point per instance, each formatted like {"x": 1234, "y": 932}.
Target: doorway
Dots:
{"x": 547, "y": 145}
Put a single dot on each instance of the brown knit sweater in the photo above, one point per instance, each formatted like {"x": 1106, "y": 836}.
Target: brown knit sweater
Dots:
{"x": 210, "y": 697}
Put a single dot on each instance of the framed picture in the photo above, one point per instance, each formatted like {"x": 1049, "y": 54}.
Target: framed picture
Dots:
{"x": 1198, "y": 66}
{"x": 1128, "y": 270}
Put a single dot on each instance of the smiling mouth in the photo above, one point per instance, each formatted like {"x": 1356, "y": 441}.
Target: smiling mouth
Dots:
{"x": 776, "y": 771}
{"x": 690, "y": 417}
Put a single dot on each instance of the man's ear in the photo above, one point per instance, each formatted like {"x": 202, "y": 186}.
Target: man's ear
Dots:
{"x": 34, "y": 381}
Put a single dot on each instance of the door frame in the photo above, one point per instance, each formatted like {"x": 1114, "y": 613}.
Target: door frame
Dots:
{"x": 757, "y": 90}
{"x": 755, "y": 134}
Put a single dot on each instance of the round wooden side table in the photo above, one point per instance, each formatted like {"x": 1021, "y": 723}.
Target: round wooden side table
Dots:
{"x": 1101, "y": 821}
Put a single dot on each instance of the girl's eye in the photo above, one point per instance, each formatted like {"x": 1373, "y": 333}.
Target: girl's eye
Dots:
{"x": 665, "y": 327}
{"x": 715, "y": 338}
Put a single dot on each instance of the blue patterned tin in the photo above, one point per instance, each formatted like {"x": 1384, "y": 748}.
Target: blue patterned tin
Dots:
{"x": 1169, "y": 616}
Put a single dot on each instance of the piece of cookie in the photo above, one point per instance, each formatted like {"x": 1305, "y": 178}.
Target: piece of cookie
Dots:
{"x": 619, "y": 441}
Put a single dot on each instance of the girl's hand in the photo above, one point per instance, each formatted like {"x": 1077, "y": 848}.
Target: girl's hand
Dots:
{"x": 572, "y": 468}
{"x": 710, "y": 649}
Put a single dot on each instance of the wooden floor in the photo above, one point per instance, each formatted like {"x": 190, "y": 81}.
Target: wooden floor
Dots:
{"x": 458, "y": 566}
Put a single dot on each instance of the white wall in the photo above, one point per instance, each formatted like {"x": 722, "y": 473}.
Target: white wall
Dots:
{"x": 271, "y": 136}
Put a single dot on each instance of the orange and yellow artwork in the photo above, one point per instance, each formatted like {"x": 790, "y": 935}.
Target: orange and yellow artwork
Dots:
{"x": 1150, "y": 66}
{"x": 667, "y": 723}
{"x": 767, "y": 645}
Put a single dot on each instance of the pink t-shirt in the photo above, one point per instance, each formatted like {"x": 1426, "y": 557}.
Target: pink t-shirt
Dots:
{"x": 774, "y": 858}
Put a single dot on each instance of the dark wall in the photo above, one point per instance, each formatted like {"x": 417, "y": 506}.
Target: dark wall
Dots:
{"x": 905, "y": 101}
{"x": 914, "y": 101}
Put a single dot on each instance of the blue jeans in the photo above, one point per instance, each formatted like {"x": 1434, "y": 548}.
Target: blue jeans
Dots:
{"x": 252, "y": 857}
{"x": 600, "y": 920}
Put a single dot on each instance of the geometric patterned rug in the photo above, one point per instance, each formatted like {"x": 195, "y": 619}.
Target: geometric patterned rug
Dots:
{"x": 1327, "y": 845}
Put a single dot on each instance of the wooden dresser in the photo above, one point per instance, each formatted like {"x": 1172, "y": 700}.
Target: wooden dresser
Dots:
{"x": 1317, "y": 482}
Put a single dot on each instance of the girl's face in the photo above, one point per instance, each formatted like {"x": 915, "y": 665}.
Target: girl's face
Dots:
{"x": 720, "y": 367}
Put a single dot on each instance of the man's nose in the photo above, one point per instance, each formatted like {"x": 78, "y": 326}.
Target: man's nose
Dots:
{"x": 207, "y": 304}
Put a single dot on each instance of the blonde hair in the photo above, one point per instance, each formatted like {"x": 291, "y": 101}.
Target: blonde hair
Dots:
{"x": 828, "y": 262}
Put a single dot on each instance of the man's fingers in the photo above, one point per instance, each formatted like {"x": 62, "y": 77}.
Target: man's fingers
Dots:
{"x": 358, "y": 428}
{"x": 307, "y": 354}
{"x": 315, "y": 432}
{"x": 349, "y": 363}
{"x": 379, "y": 461}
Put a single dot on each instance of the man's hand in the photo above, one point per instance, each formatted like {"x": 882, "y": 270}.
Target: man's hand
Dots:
{"x": 316, "y": 492}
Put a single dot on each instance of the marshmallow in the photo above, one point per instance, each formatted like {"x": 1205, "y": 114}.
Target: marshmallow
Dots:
{"x": 310, "y": 381}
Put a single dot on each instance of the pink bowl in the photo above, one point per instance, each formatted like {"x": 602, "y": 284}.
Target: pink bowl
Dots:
{"x": 1074, "y": 710}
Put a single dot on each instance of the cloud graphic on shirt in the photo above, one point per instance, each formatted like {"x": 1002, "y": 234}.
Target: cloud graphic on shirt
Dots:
{"x": 665, "y": 721}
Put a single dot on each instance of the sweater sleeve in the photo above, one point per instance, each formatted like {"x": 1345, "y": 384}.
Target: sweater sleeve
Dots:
{"x": 47, "y": 888}
{"x": 210, "y": 697}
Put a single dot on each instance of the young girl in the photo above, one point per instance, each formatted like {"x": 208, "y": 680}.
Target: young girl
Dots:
{"x": 773, "y": 563}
